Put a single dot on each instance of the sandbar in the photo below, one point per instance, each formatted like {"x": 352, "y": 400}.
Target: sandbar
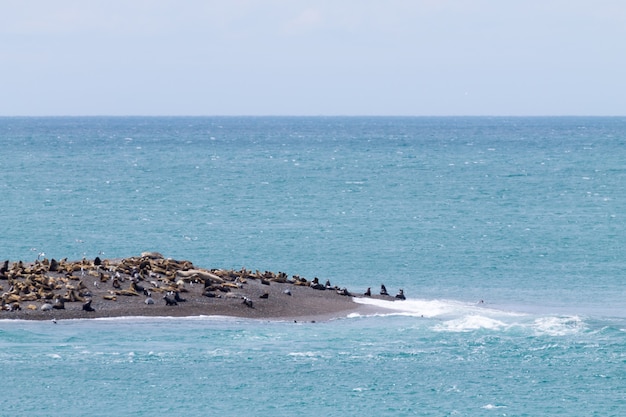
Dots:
{"x": 120, "y": 288}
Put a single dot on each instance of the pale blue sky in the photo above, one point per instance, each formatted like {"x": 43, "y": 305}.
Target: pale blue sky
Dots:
{"x": 335, "y": 57}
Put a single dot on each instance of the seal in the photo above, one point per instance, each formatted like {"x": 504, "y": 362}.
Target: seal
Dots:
{"x": 315, "y": 284}
{"x": 136, "y": 287}
{"x": 54, "y": 265}
{"x": 169, "y": 301}
{"x": 151, "y": 255}
{"x": 87, "y": 306}
{"x": 59, "y": 304}
{"x": 199, "y": 273}
{"x": 343, "y": 291}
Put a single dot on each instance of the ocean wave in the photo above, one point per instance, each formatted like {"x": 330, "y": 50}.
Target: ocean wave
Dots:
{"x": 492, "y": 406}
{"x": 470, "y": 323}
{"x": 430, "y": 308}
{"x": 559, "y": 326}
{"x": 458, "y": 316}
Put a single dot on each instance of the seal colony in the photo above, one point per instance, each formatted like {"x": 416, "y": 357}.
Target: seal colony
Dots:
{"x": 152, "y": 285}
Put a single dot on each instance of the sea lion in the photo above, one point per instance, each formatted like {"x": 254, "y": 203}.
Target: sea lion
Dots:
{"x": 343, "y": 291}
{"x": 151, "y": 255}
{"x": 199, "y": 273}
{"x": 5, "y": 267}
{"x": 317, "y": 286}
{"x": 368, "y": 293}
{"x": 29, "y": 297}
{"x": 11, "y": 298}
{"x": 169, "y": 301}
{"x": 178, "y": 298}
{"x": 87, "y": 306}
{"x": 54, "y": 265}
{"x": 264, "y": 295}
{"x": 136, "y": 287}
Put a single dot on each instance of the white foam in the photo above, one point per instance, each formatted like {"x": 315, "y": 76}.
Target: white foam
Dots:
{"x": 559, "y": 326}
{"x": 430, "y": 308}
{"x": 308, "y": 355}
{"x": 493, "y": 406}
{"x": 457, "y": 316}
{"x": 469, "y": 323}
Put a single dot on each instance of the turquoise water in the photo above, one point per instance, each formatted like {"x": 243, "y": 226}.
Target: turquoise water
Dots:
{"x": 526, "y": 214}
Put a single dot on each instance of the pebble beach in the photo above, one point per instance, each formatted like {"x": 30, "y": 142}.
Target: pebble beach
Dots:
{"x": 152, "y": 285}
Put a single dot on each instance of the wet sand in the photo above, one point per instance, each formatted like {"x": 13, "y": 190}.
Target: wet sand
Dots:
{"x": 120, "y": 288}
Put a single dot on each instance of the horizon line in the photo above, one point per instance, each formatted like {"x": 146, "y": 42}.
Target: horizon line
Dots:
{"x": 307, "y": 115}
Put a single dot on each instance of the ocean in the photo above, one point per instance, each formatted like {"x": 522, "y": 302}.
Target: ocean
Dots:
{"x": 507, "y": 235}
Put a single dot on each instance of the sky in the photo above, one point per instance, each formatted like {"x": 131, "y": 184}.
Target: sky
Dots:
{"x": 324, "y": 57}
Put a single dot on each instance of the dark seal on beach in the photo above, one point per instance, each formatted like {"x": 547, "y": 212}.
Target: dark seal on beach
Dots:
{"x": 169, "y": 301}
{"x": 87, "y": 306}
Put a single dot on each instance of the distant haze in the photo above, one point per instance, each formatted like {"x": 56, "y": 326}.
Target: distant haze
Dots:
{"x": 279, "y": 57}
